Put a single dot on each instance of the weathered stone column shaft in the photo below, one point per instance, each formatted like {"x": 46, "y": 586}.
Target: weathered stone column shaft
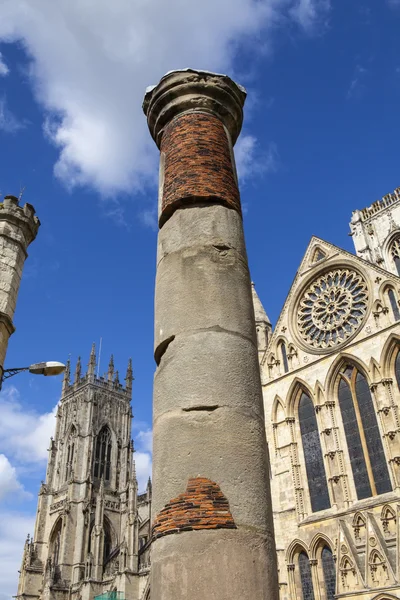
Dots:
{"x": 212, "y": 515}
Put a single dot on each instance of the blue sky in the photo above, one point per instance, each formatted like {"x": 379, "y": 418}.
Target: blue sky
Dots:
{"x": 319, "y": 140}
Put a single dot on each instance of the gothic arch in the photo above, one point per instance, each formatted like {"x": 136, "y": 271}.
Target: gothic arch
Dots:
{"x": 389, "y": 353}
{"x": 55, "y": 541}
{"x": 332, "y": 379}
{"x": 278, "y": 410}
{"x": 294, "y": 549}
{"x": 375, "y": 370}
{"x": 318, "y": 542}
{"x": 293, "y": 396}
{"x": 385, "y": 596}
{"x": 319, "y": 393}
{"x": 386, "y": 249}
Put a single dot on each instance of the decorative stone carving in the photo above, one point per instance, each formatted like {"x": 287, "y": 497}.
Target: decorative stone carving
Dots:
{"x": 332, "y": 308}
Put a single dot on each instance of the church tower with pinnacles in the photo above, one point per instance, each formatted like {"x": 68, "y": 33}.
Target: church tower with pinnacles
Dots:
{"x": 92, "y": 528}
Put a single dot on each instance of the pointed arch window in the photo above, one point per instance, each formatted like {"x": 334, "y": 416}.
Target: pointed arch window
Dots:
{"x": 107, "y": 541}
{"x": 70, "y": 453}
{"x": 397, "y": 368}
{"x": 317, "y": 484}
{"x": 329, "y": 571}
{"x": 102, "y": 455}
{"x": 394, "y": 304}
{"x": 307, "y": 588}
{"x": 282, "y": 348}
{"x": 395, "y": 252}
{"x": 367, "y": 457}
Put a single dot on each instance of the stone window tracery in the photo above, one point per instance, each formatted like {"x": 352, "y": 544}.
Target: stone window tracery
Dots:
{"x": 367, "y": 457}
{"x": 282, "y": 347}
{"x": 394, "y": 304}
{"x": 316, "y": 476}
{"x": 102, "y": 455}
{"x": 395, "y": 253}
{"x": 332, "y": 308}
{"x": 329, "y": 570}
{"x": 70, "y": 453}
{"x": 307, "y": 588}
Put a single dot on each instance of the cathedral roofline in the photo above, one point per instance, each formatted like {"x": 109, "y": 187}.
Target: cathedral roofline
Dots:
{"x": 378, "y": 206}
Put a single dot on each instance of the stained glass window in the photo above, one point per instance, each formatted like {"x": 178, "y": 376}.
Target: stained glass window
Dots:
{"x": 394, "y": 305}
{"x": 364, "y": 442}
{"x": 328, "y": 567}
{"x": 372, "y": 435}
{"x": 305, "y": 577}
{"x": 102, "y": 456}
{"x": 284, "y": 357}
{"x": 397, "y": 369}
{"x": 316, "y": 476}
{"x": 395, "y": 251}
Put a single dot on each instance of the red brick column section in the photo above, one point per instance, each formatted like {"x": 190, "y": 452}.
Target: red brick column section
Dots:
{"x": 202, "y": 506}
{"x": 198, "y": 164}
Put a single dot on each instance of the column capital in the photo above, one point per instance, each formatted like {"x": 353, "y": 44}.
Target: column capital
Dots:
{"x": 188, "y": 90}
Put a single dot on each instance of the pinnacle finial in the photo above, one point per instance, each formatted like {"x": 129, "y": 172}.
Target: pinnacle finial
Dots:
{"x": 129, "y": 376}
{"x": 67, "y": 374}
{"x": 78, "y": 370}
{"x": 116, "y": 378}
{"x": 110, "y": 368}
{"x": 92, "y": 360}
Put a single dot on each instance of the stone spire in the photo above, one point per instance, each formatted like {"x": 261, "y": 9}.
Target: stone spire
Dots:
{"x": 209, "y": 432}
{"x": 78, "y": 370}
{"x": 92, "y": 362}
{"x": 263, "y": 324}
{"x": 110, "y": 371}
{"x": 129, "y": 376}
{"x": 116, "y": 378}
{"x": 67, "y": 374}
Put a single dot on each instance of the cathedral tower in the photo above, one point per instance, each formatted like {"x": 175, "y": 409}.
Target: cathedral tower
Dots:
{"x": 18, "y": 228}
{"x": 212, "y": 526}
{"x": 88, "y": 524}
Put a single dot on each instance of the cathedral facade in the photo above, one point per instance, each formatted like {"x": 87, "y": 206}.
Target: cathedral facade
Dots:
{"x": 331, "y": 384}
{"x": 92, "y": 528}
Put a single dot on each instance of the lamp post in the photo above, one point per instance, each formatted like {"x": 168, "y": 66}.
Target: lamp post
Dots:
{"x": 47, "y": 369}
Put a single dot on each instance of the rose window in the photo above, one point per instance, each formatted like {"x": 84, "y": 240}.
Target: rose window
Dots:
{"x": 332, "y": 308}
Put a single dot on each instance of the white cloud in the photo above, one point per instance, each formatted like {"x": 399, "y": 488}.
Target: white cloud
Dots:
{"x": 9, "y": 483}
{"x": 311, "y": 13}
{"x": 9, "y": 123}
{"x": 4, "y": 70}
{"x": 91, "y": 61}
{"x": 14, "y": 528}
{"x": 149, "y": 218}
{"x": 250, "y": 161}
{"x": 394, "y": 3}
{"x": 356, "y": 86}
{"x": 24, "y": 434}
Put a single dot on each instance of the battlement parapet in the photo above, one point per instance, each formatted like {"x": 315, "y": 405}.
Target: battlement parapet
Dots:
{"x": 378, "y": 206}
{"x": 23, "y": 216}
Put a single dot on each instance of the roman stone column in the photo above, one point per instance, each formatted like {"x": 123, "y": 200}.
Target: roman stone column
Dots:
{"x": 212, "y": 515}
{"x": 18, "y": 228}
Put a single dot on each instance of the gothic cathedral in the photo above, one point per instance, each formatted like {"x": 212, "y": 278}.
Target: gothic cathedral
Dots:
{"x": 92, "y": 528}
{"x": 331, "y": 383}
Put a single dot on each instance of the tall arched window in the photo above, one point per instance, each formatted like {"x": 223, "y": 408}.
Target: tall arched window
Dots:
{"x": 307, "y": 588}
{"x": 394, "y": 304}
{"x": 316, "y": 476}
{"x": 70, "y": 453}
{"x": 282, "y": 347}
{"x": 367, "y": 458}
{"x": 107, "y": 541}
{"x": 329, "y": 570}
{"x": 397, "y": 368}
{"x": 102, "y": 454}
{"x": 395, "y": 252}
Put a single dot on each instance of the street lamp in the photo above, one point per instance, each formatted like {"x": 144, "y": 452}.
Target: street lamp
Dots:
{"x": 43, "y": 368}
